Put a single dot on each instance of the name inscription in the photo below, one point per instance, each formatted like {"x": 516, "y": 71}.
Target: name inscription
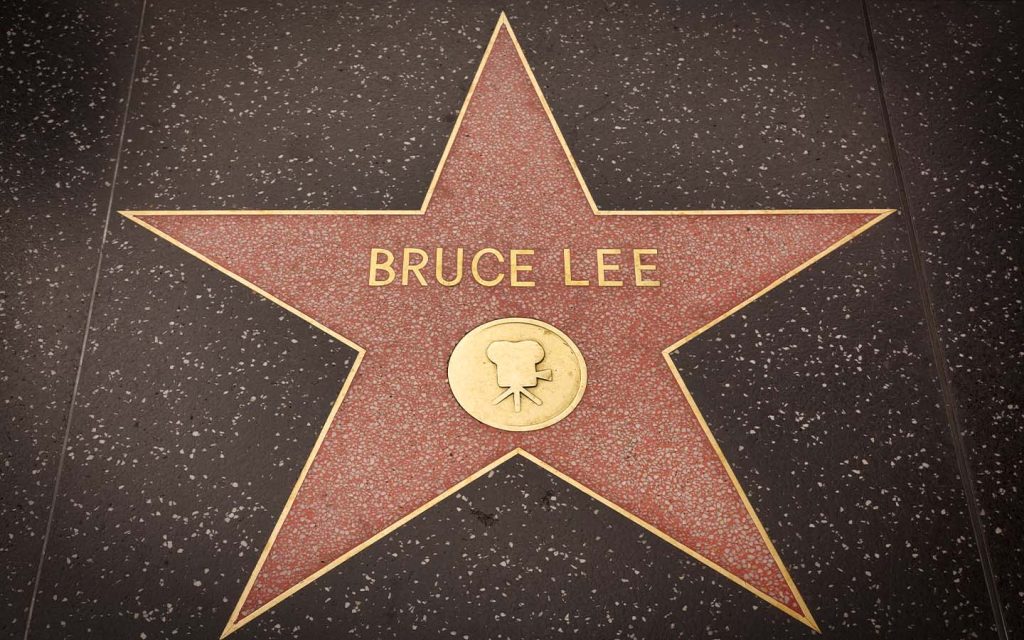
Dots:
{"x": 490, "y": 267}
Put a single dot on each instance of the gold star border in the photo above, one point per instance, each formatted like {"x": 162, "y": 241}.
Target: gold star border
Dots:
{"x": 234, "y": 623}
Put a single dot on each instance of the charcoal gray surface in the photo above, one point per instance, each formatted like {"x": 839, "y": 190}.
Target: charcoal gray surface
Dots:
{"x": 199, "y": 401}
{"x": 63, "y": 79}
{"x": 954, "y": 81}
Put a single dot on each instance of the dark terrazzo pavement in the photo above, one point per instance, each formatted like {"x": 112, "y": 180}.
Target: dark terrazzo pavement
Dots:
{"x": 954, "y": 80}
{"x": 199, "y": 401}
{"x": 823, "y": 397}
{"x": 64, "y": 73}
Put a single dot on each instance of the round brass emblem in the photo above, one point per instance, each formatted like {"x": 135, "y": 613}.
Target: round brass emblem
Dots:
{"x": 517, "y": 374}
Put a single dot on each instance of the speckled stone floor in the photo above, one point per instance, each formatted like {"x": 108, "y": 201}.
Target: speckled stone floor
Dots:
{"x": 156, "y": 414}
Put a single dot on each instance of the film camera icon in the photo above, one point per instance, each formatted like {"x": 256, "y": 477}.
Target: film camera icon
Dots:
{"x": 516, "y": 364}
{"x": 513, "y": 355}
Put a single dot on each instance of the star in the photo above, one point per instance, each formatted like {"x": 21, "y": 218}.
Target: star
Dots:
{"x": 396, "y": 441}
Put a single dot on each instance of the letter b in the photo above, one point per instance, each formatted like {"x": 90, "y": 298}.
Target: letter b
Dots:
{"x": 376, "y": 266}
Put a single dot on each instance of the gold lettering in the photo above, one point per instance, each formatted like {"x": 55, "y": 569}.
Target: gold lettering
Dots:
{"x": 414, "y": 268}
{"x": 639, "y": 268}
{"x": 376, "y": 266}
{"x": 515, "y": 268}
{"x": 603, "y": 268}
{"x": 439, "y": 271}
{"x": 567, "y": 268}
{"x": 475, "y": 267}
{"x": 384, "y": 268}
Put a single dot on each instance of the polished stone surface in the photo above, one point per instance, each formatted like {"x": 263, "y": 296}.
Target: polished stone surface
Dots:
{"x": 824, "y": 398}
{"x": 64, "y": 77}
{"x": 953, "y": 75}
{"x": 199, "y": 401}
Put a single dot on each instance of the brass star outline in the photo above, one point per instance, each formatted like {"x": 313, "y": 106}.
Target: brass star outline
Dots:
{"x": 234, "y": 623}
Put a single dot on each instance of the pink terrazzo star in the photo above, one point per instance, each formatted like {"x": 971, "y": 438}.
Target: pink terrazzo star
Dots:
{"x": 399, "y": 441}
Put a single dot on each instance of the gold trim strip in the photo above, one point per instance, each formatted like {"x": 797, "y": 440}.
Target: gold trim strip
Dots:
{"x": 232, "y": 627}
{"x": 882, "y": 215}
{"x": 136, "y": 218}
{"x": 806, "y": 618}
{"x": 747, "y": 212}
{"x": 418, "y": 212}
{"x": 234, "y": 623}
{"x": 279, "y": 212}
{"x": 502, "y": 20}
